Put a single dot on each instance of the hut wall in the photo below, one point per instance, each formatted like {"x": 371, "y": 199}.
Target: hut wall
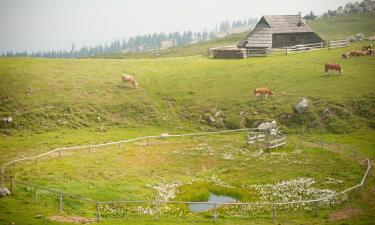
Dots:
{"x": 291, "y": 39}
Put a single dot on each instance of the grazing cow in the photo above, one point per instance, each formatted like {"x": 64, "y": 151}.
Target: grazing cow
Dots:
{"x": 370, "y": 52}
{"x": 129, "y": 80}
{"x": 357, "y": 53}
{"x": 345, "y": 55}
{"x": 333, "y": 66}
{"x": 263, "y": 92}
{"x": 367, "y": 47}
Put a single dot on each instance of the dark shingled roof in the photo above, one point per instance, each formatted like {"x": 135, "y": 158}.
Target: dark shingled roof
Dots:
{"x": 261, "y": 35}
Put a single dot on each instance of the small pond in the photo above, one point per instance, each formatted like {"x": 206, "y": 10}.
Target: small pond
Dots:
{"x": 202, "y": 207}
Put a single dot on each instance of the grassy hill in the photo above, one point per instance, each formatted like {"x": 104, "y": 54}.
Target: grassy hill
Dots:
{"x": 344, "y": 26}
{"x": 185, "y": 50}
{"x": 62, "y": 102}
{"x": 87, "y": 92}
{"x": 327, "y": 28}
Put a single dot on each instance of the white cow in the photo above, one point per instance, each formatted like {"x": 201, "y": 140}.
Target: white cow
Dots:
{"x": 129, "y": 80}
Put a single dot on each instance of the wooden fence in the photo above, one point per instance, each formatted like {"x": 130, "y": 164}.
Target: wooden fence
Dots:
{"x": 340, "y": 43}
{"x": 342, "y": 150}
{"x": 258, "y": 52}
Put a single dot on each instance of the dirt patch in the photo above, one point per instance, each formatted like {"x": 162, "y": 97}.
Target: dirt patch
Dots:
{"x": 345, "y": 214}
{"x": 71, "y": 219}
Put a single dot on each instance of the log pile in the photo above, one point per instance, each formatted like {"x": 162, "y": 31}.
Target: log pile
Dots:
{"x": 227, "y": 53}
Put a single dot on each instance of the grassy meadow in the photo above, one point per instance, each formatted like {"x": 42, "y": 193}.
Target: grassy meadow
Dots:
{"x": 68, "y": 102}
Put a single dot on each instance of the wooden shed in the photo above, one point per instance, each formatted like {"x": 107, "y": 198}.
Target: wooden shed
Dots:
{"x": 278, "y": 32}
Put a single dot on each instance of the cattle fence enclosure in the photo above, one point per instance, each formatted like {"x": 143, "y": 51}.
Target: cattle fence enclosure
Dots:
{"x": 233, "y": 52}
{"x": 156, "y": 209}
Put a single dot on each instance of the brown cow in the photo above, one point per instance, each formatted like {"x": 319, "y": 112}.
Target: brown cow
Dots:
{"x": 263, "y": 92}
{"x": 333, "y": 66}
{"x": 129, "y": 80}
{"x": 357, "y": 53}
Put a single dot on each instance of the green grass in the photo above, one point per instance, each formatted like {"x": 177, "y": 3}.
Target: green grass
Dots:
{"x": 178, "y": 92}
{"x": 344, "y": 26}
{"x": 78, "y": 102}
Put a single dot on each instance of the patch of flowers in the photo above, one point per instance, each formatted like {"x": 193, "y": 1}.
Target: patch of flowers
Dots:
{"x": 295, "y": 190}
{"x": 166, "y": 191}
{"x": 216, "y": 181}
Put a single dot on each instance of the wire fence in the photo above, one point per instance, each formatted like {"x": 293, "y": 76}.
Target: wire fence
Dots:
{"x": 155, "y": 209}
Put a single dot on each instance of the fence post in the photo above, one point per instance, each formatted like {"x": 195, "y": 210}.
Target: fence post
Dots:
{"x": 36, "y": 196}
{"x": 329, "y": 45}
{"x": 11, "y": 184}
{"x": 89, "y": 149}
{"x": 156, "y": 210}
{"x": 274, "y": 213}
{"x": 2, "y": 176}
{"x": 215, "y": 213}
{"x": 301, "y": 138}
{"x": 98, "y": 217}
{"x": 148, "y": 140}
{"x": 14, "y": 168}
{"x": 60, "y": 202}
{"x": 316, "y": 208}
{"x": 59, "y": 154}
{"x": 119, "y": 145}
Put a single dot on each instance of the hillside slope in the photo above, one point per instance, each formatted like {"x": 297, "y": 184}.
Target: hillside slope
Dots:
{"x": 178, "y": 91}
{"x": 344, "y": 26}
{"x": 327, "y": 28}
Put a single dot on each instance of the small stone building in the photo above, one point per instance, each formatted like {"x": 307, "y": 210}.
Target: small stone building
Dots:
{"x": 279, "y": 32}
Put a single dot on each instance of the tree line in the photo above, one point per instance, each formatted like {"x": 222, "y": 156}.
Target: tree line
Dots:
{"x": 137, "y": 43}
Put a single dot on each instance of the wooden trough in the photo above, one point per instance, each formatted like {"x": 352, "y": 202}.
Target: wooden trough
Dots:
{"x": 265, "y": 140}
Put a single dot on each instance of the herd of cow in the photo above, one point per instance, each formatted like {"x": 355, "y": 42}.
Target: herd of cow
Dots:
{"x": 129, "y": 80}
{"x": 366, "y": 51}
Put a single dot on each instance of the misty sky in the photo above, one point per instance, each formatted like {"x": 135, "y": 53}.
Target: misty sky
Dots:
{"x": 55, "y": 24}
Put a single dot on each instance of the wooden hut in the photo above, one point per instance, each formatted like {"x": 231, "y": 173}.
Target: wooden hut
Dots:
{"x": 278, "y": 32}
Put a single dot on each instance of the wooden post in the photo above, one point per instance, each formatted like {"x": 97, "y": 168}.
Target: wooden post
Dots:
{"x": 215, "y": 213}
{"x": 156, "y": 210}
{"x": 148, "y": 140}
{"x": 36, "y": 196}
{"x": 362, "y": 188}
{"x": 274, "y": 213}
{"x": 98, "y": 217}
{"x": 301, "y": 138}
{"x": 59, "y": 154}
{"x": 316, "y": 208}
{"x": 89, "y": 149}
{"x": 2, "y": 176}
{"x": 11, "y": 184}
{"x": 60, "y": 202}
{"x": 286, "y": 51}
